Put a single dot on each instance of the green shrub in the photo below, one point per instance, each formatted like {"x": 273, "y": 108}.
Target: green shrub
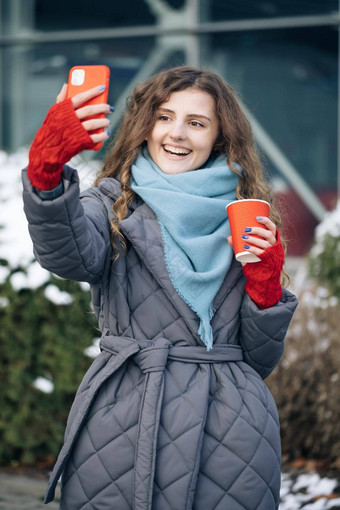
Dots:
{"x": 40, "y": 339}
{"x": 324, "y": 258}
{"x": 305, "y": 384}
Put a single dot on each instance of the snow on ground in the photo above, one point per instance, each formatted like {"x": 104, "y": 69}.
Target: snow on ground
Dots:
{"x": 310, "y": 492}
{"x": 307, "y": 491}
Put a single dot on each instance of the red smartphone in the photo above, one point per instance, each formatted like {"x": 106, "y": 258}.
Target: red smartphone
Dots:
{"x": 82, "y": 78}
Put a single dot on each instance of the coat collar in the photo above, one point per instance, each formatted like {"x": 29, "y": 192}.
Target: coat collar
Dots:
{"x": 111, "y": 187}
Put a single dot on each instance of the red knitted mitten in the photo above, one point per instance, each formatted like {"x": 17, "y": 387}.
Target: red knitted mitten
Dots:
{"x": 263, "y": 278}
{"x": 61, "y": 137}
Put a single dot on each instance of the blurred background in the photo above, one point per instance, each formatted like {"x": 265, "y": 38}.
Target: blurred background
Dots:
{"x": 282, "y": 57}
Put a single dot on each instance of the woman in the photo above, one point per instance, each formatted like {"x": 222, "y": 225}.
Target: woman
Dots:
{"x": 174, "y": 413}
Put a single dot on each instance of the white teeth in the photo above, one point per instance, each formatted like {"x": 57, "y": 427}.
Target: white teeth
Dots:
{"x": 176, "y": 151}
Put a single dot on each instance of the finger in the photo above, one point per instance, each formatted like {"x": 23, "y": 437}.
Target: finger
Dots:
{"x": 92, "y": 124}
{"x": 267, "y": 222}
{"x": 253, "y": 249}
{"x": 256, "y": 242}
{"x": 91, "y": 110}
{"x": 62, "y": 94}
{"x": 264, "y": 234}
{"x": 100, "y": 137}
{"x": 82, "y": 97}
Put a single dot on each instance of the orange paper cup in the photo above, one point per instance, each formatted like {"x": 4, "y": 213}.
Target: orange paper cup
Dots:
{"x": 242, "y": 214}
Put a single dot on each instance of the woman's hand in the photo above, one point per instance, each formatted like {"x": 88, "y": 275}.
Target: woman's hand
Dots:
{"x": 84, "y": 112}
{"x": 267, "y": 237}
{"x": 68, "y": 129}
{"x": 263, "y": 279}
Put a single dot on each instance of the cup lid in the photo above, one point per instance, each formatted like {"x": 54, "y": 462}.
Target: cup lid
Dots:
{"x": 247, "y": 200}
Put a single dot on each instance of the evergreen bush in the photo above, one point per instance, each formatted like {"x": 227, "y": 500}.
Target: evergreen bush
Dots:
{"x": 324, "y": 258}
{"x": 40, "y": 339}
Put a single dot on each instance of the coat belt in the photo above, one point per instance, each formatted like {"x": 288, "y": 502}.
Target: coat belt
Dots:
{"x": 152, "y": 358}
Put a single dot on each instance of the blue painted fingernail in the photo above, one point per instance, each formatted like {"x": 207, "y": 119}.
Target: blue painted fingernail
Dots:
{"x": 112, "y": 108}
{"x": 102, "y": 87}
{"x": 108, "y": 133}
{"x": 248, "y": 229}
{"x": 246, "y": 246}
{"x": 259, "y": 218}
{"x": 244, "y": 237}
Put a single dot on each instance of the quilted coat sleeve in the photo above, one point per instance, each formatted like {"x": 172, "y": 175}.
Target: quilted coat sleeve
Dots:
{"x": 262, "y": 332}
{"x": 71, "y": 237}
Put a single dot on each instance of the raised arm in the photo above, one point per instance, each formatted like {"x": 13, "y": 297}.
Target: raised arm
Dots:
{"x": 70, "y": 238}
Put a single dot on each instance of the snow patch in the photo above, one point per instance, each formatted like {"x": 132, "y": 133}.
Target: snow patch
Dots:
{"x": 32, "y": 277}
{"x": 43, "y": 384}
{"x": 4, "y": 302}
{"x": 330, "y": 225}
{"x": 309, "y": 491}
{"x": 84, "y": 286}
{"x": 57, "y": 296}
{"x": 94, "y": 349}
{"x": 4, "y": 272}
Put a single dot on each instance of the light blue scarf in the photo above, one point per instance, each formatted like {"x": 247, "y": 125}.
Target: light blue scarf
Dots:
{"x": 190, "y": 208}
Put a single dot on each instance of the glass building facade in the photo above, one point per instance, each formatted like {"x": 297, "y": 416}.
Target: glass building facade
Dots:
{"x": 280, "y": 55}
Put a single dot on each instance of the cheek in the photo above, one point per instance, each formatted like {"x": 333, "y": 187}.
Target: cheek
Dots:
{"x": 207, "y": 146}
{"x": 156, "y": 134}
{"x": 212, "y": 143}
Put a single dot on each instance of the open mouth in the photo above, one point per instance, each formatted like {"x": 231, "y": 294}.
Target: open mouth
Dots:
{"x": 176, "y": 151}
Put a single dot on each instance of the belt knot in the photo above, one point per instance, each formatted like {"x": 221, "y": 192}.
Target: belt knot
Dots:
{"x": 153, "y": 358}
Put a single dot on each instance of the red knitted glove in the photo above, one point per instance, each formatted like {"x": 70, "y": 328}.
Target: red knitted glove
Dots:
{"x": 61, "y": 137}
{"x": 263, "y": 278}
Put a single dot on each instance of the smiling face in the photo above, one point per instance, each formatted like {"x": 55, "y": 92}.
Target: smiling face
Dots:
{"x": 185, "y": 131}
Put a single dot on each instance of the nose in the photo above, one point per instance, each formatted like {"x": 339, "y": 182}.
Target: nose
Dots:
{"x": 177, "y": 131}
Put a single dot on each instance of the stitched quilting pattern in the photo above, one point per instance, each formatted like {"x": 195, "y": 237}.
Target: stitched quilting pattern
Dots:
{"x": 218, "y": 442}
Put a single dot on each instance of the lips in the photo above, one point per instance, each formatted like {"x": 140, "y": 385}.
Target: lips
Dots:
{"x": 176, "y": 151}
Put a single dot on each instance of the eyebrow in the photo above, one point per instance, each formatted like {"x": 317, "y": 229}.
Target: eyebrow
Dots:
{"x": 191, "y": 115}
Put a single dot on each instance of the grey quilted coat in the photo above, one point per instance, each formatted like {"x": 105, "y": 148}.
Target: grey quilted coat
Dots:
{"x": 159, "y": 422}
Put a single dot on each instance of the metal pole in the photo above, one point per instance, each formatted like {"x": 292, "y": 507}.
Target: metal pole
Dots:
{"x": 193, "y": 42}
{"x": 286, "y": 168}
{"x": 164, "y": 30}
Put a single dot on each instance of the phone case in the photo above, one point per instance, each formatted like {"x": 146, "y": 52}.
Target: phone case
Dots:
{"x": 82, "y": 78}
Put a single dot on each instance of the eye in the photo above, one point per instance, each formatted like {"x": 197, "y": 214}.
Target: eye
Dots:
{"x": 195, "y": 123}
{"x": 164, "y": 118}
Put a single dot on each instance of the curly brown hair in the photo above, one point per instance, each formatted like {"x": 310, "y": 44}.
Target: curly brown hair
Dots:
{"x": 235, "y": 138}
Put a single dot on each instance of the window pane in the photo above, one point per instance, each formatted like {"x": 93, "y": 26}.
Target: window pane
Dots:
{"x": 89, "y": 14}
{"x": 85, "y": 14}
{"x": 288, "y": 79}
{"x": 218, "y": 10}
{"x": 35, "y": 75}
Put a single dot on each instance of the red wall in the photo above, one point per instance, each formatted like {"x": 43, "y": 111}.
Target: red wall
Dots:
{"x": 298, "y": 222}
